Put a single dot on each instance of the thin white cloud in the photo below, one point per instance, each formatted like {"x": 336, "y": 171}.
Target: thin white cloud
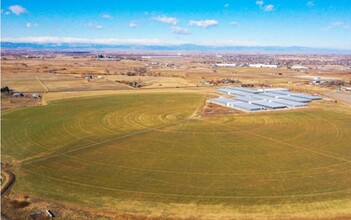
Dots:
{"x": 327, "y": 29}
{"x": 167, "y": 20}
{"x": 336, "y": 24}
{"x": 203, "y": 23}
{"x": 268, "y": 8}
{"x": 94, "y": 26}
{"x": 31, "y": 25}
{"x": 17, "y": 9}
{"x": 228, "y": 43}
{"x": 310, "y": 3}
{"x": 7, "y": 13}
{"x": 179, "y": 30}
{"x": 117, "y": 41}
{"x": 110, "y": 41}
{"x": 133, "y": 24}
{"x": 234, "y": 23}
{"x": 260, "y": 3}
{"x": 106, "y": 16}
{"x": 226, "y": 5}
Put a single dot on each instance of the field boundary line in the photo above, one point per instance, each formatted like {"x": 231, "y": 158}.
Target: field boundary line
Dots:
{"x": 42, "y": 84}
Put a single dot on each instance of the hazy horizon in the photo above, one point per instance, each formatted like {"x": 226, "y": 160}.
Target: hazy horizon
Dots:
{"x": 302, "y": 23}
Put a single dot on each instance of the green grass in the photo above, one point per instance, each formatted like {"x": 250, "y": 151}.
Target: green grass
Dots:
{"x": 147, "y": 148}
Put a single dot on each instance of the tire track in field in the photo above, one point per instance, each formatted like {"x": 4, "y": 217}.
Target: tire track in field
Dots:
{"x": 167, "y": 171}
{"x": 57, "y": 153}
{"x": 103, "y": 142}
{"x": 325, "y": 154}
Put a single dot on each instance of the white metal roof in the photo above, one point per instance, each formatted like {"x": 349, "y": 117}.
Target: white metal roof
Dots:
{"x": 247, "y": 99}
{"x": 246, "y": 106}
{"x": 289, "y": 103}
{"x": 243, "y": 89}
{"x": 272, "y": 89}
{"x": 269, "y": 104}
{"x": 305, "y": 96}
{"x": 293, "y": 98}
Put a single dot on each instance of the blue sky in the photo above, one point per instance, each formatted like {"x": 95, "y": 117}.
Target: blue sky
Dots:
{"x": 312, "y": 23}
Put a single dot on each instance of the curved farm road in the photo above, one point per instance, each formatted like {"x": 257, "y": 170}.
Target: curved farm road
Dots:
{"x": 8, "y": 179}
{"x": 340, "y": 96}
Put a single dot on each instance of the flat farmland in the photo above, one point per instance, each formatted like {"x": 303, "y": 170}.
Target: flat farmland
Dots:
{"x": 156, "y": 155}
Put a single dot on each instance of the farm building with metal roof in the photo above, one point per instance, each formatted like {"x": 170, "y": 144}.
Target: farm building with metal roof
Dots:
{"x": 222, "y": 101}
{"x": 246, "y": 106}
{"x": 270, "y": 104}
{"x": 293, "y": 98}
{"x": 290, "y": 104}
{"x": 304, "y": 96}
{"x": 248, "y": 99}
{"x": 242, "y": 89}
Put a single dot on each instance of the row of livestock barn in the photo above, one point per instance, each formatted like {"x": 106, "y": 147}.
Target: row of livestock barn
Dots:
{"x": 250, "y": 100}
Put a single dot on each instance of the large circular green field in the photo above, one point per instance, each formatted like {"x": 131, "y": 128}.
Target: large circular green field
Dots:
{"x": 144, "y": 153}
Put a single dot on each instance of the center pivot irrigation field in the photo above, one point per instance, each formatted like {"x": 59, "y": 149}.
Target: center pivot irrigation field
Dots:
{"x": 140, "y": 152}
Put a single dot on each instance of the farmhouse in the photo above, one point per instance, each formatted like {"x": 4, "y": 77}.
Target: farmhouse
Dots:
{"x": 18, "y": 94}
{"x": 36, "y": 96}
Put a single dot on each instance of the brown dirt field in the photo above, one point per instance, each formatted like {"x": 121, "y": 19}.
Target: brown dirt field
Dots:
{"x": 52, "y": 96}
{"x": 339, "y": 96}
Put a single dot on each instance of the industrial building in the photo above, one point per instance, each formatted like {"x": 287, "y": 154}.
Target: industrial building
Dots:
{"x": 250, "y": 100}
{"x": 298, "y": 67}
{"x": 225, "y": 64}
{"x": 259, "y": 65}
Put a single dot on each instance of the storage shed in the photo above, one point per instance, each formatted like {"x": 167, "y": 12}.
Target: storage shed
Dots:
{"x": 18, "y": 94}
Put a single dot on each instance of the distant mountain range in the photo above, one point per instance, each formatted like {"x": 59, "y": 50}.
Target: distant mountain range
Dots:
{"x": 182, "y": 47}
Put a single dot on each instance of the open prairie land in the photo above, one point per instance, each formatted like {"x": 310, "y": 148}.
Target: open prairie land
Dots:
{"x": 156, "y": 154}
